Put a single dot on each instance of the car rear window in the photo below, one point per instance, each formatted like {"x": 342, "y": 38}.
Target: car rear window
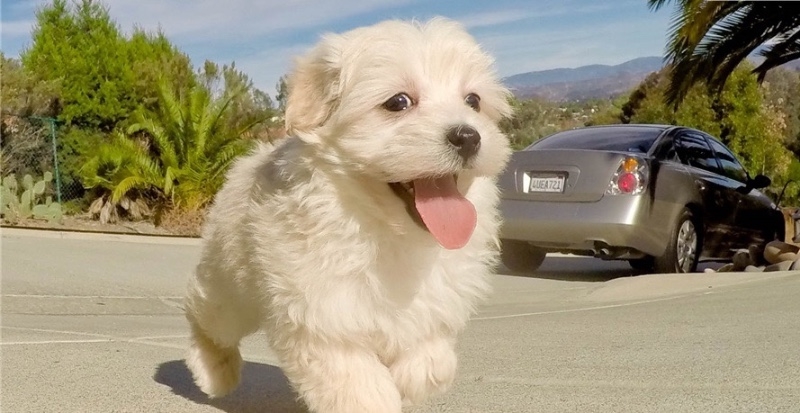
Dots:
{"x": 621, "y": 139}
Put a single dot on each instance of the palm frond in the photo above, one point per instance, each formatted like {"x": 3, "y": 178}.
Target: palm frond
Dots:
{"x": 174, "y": 119}
{"x": 149, "y": 170}
{"x": 171, "y": 105}
{"x": 91, "y": 175}
{"x": 785, "y": 49}
{"x": 126, "y": 185}
{"x": 170, "y": 176}
{"x": 211, "y": 122}
{"x": 252, "y": 124}
{"x": 164, "y": 143}
{"x": 226, "y": 156}
{"x": 657, "y": 4}
{"x": 709, "y": 40}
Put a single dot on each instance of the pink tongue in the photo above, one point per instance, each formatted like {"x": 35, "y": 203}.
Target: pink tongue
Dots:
{"x": 449, "y": 216}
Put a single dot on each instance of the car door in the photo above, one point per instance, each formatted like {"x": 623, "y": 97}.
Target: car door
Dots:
{"x": 753, "y": 212}
{"x": 717, "y": 192}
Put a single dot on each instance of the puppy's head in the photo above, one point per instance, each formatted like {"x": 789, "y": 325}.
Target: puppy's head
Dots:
{"x": 414, "y": 105}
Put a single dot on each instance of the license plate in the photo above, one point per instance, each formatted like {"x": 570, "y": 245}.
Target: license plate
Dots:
{"x": 546, "y": 184}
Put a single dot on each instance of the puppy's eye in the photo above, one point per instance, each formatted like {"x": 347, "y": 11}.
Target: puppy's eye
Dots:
{"x": 398, "y": 102}
{"x": 473, "y": 101}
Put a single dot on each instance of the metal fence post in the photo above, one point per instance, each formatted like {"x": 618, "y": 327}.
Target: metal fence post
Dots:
{"x": 55, "y": 157}
{"x": 52, "y": 122}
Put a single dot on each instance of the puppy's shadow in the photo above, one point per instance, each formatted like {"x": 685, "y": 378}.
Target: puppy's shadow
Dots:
{"x": 264, "y": 389}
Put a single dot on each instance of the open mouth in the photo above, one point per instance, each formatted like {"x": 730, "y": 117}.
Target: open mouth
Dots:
{"x": 436, "y": 205}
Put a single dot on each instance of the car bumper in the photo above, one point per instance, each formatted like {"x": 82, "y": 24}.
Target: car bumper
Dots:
{"x": 617, "y": 221}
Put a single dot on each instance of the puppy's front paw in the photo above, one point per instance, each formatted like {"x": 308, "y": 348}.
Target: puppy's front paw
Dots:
{"x": 341, "y": 380}
{"x": 424, "y": 371}
{"x": 216, "y": 370}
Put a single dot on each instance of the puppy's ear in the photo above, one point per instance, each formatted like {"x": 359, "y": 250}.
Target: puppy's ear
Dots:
{"x": 314, "y": 87}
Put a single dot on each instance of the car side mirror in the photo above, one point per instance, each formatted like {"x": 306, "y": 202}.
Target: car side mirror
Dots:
{"x": 760, "y": 181}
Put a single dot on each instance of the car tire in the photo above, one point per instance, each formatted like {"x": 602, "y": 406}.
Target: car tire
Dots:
{"x": 645, "y": 264}
{"x": 683, "y": 250}
{"x": 778, "y": 232}
{"x": 521, "y": 257}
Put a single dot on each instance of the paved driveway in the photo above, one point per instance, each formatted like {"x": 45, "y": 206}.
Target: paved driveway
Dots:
{"x": 93, "y": 325}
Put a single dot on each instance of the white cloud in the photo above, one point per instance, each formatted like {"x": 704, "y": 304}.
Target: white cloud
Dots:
{"x": 198, "y": 21}
{"x": 262, "y": 37}
{"x": 606, "y": 43}
{"x": 548, "y": 11}
{"x": 18, "y": 28}
{"x": 201, "y": 20}
{"x": 266, "y": 67}
{"x": 496, "y": 18}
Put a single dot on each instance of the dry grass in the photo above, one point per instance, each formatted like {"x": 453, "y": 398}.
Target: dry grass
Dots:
{"x": 181, "y": 222}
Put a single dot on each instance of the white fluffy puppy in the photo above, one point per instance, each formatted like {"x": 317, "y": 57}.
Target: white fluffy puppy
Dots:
{"x": 362, "y": 243}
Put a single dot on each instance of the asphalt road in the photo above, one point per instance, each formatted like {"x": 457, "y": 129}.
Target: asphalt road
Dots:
{"x": 94, "y": 325}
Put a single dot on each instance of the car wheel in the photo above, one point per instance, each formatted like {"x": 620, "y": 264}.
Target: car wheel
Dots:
{"x": 777, "y": 233}
{"x": 642, "y": 264}
{"x": 519, "y": 256}
{"x": 684, "y": 247}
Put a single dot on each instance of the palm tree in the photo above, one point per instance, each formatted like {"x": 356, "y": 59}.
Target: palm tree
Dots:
{"x": 193, "y": 143}
{"x": 181, "y": 154}
{"x": 708, "y": 39}
{"x": 124, "y": 174}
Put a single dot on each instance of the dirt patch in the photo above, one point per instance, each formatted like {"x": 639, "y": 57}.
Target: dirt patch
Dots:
{"x": 85, "y": 223}
{"x": 181, "y": 222}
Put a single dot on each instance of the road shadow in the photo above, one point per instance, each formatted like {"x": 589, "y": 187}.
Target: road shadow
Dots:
{"x": 580, "y": 269}
{"x": 263, "y": 389}
{"x": 587, "y": 269}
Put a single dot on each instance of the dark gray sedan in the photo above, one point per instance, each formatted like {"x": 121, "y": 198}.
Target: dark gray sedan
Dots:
{"x": 661, "y": 197}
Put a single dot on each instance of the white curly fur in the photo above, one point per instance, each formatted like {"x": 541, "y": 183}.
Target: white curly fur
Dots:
{"x": 307, "y": 241}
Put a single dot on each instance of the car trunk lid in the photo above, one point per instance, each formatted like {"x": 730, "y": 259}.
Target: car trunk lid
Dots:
{"x": 559, "y": 175}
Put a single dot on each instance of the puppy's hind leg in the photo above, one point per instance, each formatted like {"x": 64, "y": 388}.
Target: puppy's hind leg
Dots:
{"x": 218, "y": 321}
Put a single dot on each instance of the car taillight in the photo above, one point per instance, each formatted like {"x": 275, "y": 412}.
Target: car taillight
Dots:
{"x": 630, "y": 178}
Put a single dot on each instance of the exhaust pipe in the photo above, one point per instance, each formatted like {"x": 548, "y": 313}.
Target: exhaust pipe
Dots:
{"x": 601, "y": 250}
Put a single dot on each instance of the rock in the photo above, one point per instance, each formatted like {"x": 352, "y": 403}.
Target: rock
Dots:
{"x": 727, "y": 268}
{"x": 756, "y": 254}
{"x": 781, "y": 266}
{"x": 778, "y": 251}
{"x": 741, "y": 259}
{"x": 753, "y": 268}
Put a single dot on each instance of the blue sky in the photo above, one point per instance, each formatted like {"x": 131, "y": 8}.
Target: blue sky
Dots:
{"x": 263, "y": 36}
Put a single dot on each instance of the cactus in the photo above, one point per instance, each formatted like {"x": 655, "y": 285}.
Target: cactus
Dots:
{"x": 7, "y": 198}
{"x": 51, "y": 212}
{"x": 10, "y": 182}
{"x": 27, "y": 181}
{"x": 26, "y": 203}
{"x": 38, "y": 188}
{"x": 15, "y": 206}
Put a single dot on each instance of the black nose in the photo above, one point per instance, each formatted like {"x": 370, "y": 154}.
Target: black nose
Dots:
{"x": 466, "y": 139}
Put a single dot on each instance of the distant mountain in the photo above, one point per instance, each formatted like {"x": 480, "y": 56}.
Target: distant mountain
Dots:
{"x": 585, "y": 82}
{"x": 794, "y": 64}
{"x": 592, "y": 81}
